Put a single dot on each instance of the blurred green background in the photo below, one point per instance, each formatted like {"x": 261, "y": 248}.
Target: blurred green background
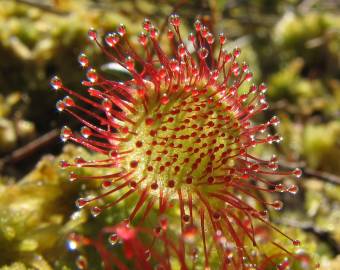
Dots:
{"x": 293, "y": 46}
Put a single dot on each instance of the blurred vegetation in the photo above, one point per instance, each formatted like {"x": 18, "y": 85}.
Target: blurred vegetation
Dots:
{"x": 292, "y": 45}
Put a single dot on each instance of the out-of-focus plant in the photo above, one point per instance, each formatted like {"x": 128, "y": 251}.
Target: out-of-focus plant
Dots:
{"x": 35, "y": 220}
{"x": 13, "y": 128}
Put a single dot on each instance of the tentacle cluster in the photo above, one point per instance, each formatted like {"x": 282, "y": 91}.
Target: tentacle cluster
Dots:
{"x": 180, "y": 130}
{"x": 162, "y": 252}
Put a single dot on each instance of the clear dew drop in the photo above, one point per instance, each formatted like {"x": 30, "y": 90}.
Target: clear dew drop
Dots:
{"x": 274, "y": 121}
{"x": 121, "y": 30}
{"x": 107, "y": 105}
{"x": 162, "y": 72}
{"x": 92, "y": 75}
{"x": 60, "y": 106}
{"x": 235, "y": 68}
{"x": 146, "y": 25}
{"x": 264, "y": 214}
{"x": 73, "y": 176}
{"x": 56, "y": 83}
{"x": 198, "y": 25}
{"x": 210, "y": 38}
{"x": 65, "y": 133}
{"x": 279, "y": 188}
{"x": 245, "y": 67}
{"x": 83, "y": 60}
{"x": 81, "y": 262}
{"x": 85, "y": 132}
{"x": 293, "y": 189}
{"x": 191, "y": 37}
{"x": 297, "y": 172}
{"x": 143, "y": 39}
{"x": 236, "y": 52}
{"x": 153, "y": 33}
{"x": 92, "y": 34}
{"x": 94, "y": 92}
{"x": 249, "y": 76}
{"x": 112, "y": 39}
{"x": 227, "y": 58}
{"x": 72, "y": 244}
{"x": 170, "y": 34}
{"x": 81, "y": 202}
{"x": 263, "y": 88}
{"x": 175, "y": 20}
{"x": 229, "y": 253}
{"x": 130, "y": 63}
{"x": 68, "y": 101}
{"x": 274, "y": 159}
{"x": 181, "y": 50}
{"x": 277, "y": 205}
{"x": 203, "y": 53}
{"x": 113, "y": 239}
{"x": 95, "y": 211}
{"x": 222, "y": 38}
{"x": 204, "y": 31}
{"x": 174, "y": 66}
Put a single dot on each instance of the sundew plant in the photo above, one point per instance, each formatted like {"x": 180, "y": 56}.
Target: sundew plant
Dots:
{"x": 178, "y": 137}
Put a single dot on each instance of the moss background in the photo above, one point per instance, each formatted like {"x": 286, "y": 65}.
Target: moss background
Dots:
{"x": 293, "y": 45}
